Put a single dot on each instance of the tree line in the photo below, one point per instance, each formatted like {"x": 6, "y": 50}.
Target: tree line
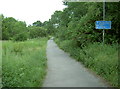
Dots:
{"x": 77, "y": 22}
{"x": 16, "y": 30}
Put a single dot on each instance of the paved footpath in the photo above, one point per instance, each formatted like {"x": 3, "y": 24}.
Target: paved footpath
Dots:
{"x": 63, "y": 71}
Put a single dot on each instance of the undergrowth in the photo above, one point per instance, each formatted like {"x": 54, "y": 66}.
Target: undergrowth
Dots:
{"x": 24, "y": 63}
{"x": 101, "y": 58}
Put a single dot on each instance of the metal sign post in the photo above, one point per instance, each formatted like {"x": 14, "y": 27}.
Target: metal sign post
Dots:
{"x": 103, "y": 19}
{"x": 103, "y": 24}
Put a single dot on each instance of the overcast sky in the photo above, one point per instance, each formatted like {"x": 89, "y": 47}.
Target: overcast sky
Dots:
{"x": 30, "y": 10}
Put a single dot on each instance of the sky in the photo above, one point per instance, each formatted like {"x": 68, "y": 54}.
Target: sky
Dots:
{"x": 30, "y": 10}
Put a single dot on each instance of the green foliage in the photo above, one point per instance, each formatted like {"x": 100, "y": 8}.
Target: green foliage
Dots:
{"x": 37, "y": 23}
{"x": 7, "y": 27}
{"x": 103, "y": 59}
{"x": 50, "y": 27}
{"x": 24, "y": 63}
{"x": 1, "y": 19}
{"x": 20, "y": 32}
{"x": 17, "y": 48}
{"x": 35, "y": 32}
{"x": 77, "y": 35}
{"x": 78, "y": 24}
{"x": 20, "y": 37}
{"x": 14, "y": 30}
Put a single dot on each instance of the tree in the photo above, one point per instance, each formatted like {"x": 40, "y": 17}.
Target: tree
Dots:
{"x": 37, "y": 23}
{"x": 78, "y": 24}
{"x": 1, "y": 19}
{"x": 7, "y": 28}
{"x": 13, "y": 29}
{"x": 49, "y": 26}
{"x": 35, "y": 32}
{"x": 20, "y": 31}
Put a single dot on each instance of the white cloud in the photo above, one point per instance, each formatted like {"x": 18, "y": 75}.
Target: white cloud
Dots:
{"x": 30, "y": 10}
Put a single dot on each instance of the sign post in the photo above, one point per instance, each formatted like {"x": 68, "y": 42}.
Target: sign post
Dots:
{"x": 103, "y": 19}
{"x": 103, "y": 24}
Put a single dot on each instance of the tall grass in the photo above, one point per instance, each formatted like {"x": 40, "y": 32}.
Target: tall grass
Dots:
{"x": 101, "y": 58}
{"x": 24, "y": 63}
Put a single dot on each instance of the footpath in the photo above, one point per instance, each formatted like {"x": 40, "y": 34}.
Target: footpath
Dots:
{"x": 64, "y": 71}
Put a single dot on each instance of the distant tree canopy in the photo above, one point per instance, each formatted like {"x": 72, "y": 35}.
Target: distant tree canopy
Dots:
{"x": 35, "y": 32}
{"x": 76, "y": 22}
{"x": 37, "y": 23}
{"x": 13, "y": 29}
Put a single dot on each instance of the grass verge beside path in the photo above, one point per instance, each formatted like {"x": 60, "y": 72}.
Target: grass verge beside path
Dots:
{"x": 24, "y": 63}
{"x": 103, "y": 59}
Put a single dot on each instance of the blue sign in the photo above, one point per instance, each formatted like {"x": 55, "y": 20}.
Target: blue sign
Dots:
{"x": 103, "y": 25}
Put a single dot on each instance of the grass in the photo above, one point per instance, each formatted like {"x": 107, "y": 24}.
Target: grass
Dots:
{"x": 102, "y": 59}
{"x": 24, "y": 63}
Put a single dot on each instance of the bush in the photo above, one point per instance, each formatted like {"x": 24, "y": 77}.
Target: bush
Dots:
{"x": 36, "y": 32}
{"x": 20, "y": 37}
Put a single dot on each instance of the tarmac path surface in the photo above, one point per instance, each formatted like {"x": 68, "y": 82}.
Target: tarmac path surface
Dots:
{"x": 64, "y": 71}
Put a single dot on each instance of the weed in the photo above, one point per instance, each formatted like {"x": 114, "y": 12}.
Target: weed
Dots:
{"x": 27, "y": 70}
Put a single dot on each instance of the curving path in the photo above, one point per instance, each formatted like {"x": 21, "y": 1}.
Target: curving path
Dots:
{"x": 63, "y": 71}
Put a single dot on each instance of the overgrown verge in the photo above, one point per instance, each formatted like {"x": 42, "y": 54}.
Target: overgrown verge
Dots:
{"x": 101, "y": 58}
{"x": 24, "y": 63}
